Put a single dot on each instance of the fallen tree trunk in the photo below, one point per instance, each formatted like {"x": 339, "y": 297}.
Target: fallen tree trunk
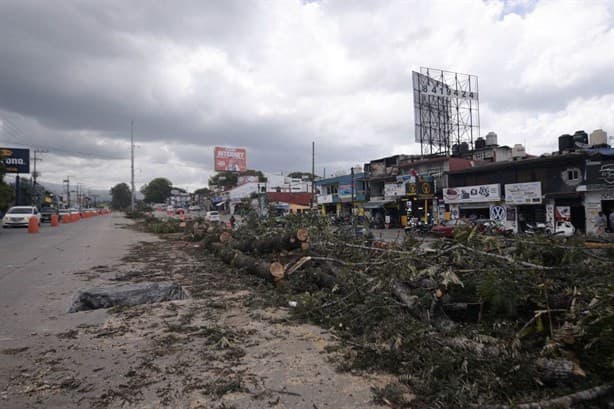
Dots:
{"x": 288, "y": 241}
{"x": 272, "y": 272}
{"x": 561, "y": 402}
{"x": 557, "y": 370}
{"x": 402, "y": 293}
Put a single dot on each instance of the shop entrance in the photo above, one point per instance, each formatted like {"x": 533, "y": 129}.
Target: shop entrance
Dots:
{"x": 607, "y": 207}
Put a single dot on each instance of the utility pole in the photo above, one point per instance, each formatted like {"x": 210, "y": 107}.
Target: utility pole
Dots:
{"x": 67, "y": 181}
{"x": 313, "y": 176}
{"x": 352, "y": 216}
{"x": 132, "y": 164}
{"x": 35, "y": 174}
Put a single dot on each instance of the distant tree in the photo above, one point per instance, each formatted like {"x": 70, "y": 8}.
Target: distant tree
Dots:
{"x": 204, "y": 191}
{"x": 229, "y": 179}
{"x": 6, "y": 191}
{"x": 157, "y": 191}
{"x": 121, "y": 197}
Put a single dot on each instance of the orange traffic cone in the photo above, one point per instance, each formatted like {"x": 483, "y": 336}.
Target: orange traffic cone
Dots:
{"x": 33, "y": 225}
{"x": 54, "y": 220}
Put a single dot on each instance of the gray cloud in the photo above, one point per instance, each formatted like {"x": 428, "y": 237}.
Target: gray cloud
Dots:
{"x": 273, "y": 76}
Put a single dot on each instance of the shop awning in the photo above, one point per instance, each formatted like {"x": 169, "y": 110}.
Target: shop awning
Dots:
{"x": 376, "y": 204}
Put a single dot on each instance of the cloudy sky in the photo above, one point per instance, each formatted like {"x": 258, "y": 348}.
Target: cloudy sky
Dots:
{"x": 273, "y": 76}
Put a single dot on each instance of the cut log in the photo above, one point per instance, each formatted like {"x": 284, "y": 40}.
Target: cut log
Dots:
{"x": 561, "y": 402}
{"x": 269, "y": 244}
{"x": 482, "y": 350}
{"x": 302, "y": 234}
{"x": 270, "y": 272}
{"x": 557, "y": 370}
{"x": 277, "y": 270}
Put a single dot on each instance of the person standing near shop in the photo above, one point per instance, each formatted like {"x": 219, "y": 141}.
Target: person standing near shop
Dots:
{"x": 600, "y": 224}
{"x": 611, "y": 217}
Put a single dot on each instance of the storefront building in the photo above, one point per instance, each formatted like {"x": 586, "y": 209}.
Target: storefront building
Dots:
{"x": 560, "y": 178}
{"x": 339, "y": 195}
{"x": 599, "y": 188}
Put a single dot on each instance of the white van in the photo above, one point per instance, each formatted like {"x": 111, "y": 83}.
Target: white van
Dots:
{"x": 212, "y": 216}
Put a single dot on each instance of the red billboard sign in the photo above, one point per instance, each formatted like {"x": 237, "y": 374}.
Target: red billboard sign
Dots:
{"x": 230, "y": 159}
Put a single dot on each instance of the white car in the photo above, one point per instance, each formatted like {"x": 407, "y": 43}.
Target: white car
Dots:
{"x": 19, "y": 216}
{"x": 212, "y": 216}
{"x": 562, "y": 228}
{"x": 194, "y": 208}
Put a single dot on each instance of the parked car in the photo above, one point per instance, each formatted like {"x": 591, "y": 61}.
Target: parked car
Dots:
{"x": 488, "y": 226}
{"x": 19, "y": 216}
{"x": 194, "y": 208}
{"x": 448, "y": 228}
{"x": 212, "y": 216}
{"x": 562, "y": 228}
{"x": 46, "y": 212}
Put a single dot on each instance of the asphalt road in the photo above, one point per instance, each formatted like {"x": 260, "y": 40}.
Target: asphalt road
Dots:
{"x": 37, "y": 273}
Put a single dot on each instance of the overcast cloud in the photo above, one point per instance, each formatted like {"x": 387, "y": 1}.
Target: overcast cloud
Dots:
{"x": 273, "y": 76}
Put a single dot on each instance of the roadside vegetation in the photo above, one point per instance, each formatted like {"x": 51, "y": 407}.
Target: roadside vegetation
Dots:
{"x": 475, "y": 321}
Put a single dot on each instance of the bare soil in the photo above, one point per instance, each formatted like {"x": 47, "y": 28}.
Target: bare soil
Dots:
{"x": 228, "y": 346}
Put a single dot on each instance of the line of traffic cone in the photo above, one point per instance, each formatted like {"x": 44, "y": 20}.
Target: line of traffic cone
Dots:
{"x": 34, "y": 223}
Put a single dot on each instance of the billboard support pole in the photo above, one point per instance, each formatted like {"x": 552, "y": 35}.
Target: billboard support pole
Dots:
{"x": 17, "y": 190}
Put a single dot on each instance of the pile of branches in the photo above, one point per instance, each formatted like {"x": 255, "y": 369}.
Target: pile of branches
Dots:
{"x": 479, "y": 321}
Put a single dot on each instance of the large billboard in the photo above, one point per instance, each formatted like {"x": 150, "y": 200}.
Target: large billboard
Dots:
{"x": 446, "y": 110}
{"x": 15, "y": 160}
{"x": 230, "y": 159}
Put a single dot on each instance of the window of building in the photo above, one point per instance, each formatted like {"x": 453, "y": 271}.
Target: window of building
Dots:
{"x": 573, "y": 174}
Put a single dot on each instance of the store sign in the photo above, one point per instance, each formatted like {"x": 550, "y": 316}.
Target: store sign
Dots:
{"x": 498, "y": 213}
{"x": 600, "y": 174}
{"x": 523, "y": 193}
{"x": 472, "y": 194}
{"x": 392, "y": 190}
{"x": 15, "y": 160}
{"x": 422, "y": 190}
{"x": 607, "y": 173}
{"x": 345, "y": 192}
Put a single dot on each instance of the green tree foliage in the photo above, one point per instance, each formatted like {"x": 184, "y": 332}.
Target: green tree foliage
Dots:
{"x": 205, "y": 191}
{"x": 229, "y": 179}
{"x": 120, "y": 196}
{"x": 157, "y": 191}
{"x": 6, "y": 191}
